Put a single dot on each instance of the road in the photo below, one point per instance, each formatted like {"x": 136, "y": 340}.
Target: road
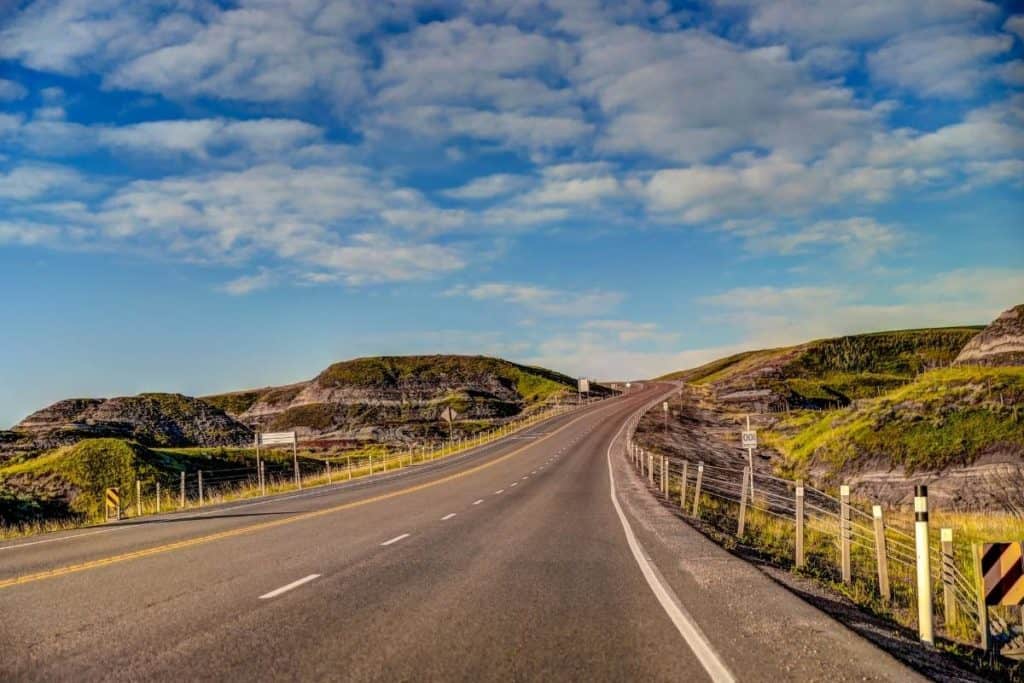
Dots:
{"x": 541, "y": 557}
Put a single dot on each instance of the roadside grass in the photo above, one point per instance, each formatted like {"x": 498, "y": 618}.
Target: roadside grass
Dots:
{"x": 364, "y": 463}
{"x": 771, "y": 538}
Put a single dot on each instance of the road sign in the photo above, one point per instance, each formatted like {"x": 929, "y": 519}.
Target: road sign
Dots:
{"x": 448, "y": 414}
{"x": 276, "y": 439}
{"x": 1002, "y": 566}
{"x": 749, "y": 438}
{"x": 584, "y": 385}
{"x": 112, "y": 499}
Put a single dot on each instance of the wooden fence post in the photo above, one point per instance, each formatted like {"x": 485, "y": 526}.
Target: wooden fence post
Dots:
{"x": 743, "y": 503}
{"x": 844, "y": 533}
{"x": 696, "y": 490}
{"x": 799, "y": 560}
{"x": 682, "y": 487}
{"x": 664, "y": 475}
{"x": 182, "y": 494}
{"x": 881, "y": 555}
{"x": 948, "y": 577}
{"x": 650, "y": 468}
{"x": 976, "y": 550}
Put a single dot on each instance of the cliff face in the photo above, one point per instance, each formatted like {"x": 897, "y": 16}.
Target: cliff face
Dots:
{"x": 151, "y": 419}
{"x": 1001, "y": 343}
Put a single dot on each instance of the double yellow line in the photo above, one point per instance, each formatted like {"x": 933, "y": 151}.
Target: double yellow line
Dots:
{"x": 199, "y": 540}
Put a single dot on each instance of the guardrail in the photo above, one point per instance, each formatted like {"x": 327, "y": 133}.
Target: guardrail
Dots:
{"x": 899, "y": 570}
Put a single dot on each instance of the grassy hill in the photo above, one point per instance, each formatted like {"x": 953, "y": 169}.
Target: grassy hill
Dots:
{"x": 873, "y": 402}
{"x": 833, "y": 371}
{"x": 944, "y": 418}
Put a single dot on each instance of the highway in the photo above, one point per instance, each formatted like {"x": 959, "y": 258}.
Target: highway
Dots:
{"x": 540, "y": 557}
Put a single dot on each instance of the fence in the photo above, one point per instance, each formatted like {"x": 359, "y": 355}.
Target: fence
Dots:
{"x": 874, "y": 560}
{"x": 213, "y": 486}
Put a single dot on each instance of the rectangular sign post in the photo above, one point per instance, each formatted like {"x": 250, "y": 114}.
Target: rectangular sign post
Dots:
{"x": 582, "y": 387}
{"x": 112, "y": 503}
{"x": 284, "y": 439}
{"x": 448, "y": 415}
{"x": 664, "y": 409}
{"x": 748, "y": 438}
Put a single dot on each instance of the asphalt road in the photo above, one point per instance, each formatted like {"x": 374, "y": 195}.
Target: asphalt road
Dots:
{"x": 541, "y": 557}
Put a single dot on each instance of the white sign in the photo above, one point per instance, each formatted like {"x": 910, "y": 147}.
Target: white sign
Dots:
{"x": 664, "y": 406}
{"x": 749, "y": 438}
{"x": 584, "y": 385}
{"x": 276, "y": 439}
{"x": 448, "y": 414}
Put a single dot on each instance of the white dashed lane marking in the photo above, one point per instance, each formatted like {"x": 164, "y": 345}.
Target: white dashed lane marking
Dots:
{"x": 396, "y": 539}
{"x": 285, "y": 589}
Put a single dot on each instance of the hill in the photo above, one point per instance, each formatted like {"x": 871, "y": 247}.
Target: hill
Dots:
{"x": 827, "y": 372}
{"x": 1001, "y": 343}
{"x": 396, "y": 397}
{"x": 881, "y": 411}
{"x": 150, "y": 419}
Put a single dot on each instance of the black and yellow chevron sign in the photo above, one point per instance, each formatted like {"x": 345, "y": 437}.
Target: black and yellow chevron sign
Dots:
{"x": 1002, "y": 566}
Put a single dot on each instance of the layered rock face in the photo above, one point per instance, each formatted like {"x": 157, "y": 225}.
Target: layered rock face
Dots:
{"x": 1001, "y": 343}
{"x": 151, "y": 419}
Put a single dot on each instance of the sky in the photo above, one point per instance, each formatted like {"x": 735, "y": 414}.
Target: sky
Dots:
{"x": 203, "y": 196}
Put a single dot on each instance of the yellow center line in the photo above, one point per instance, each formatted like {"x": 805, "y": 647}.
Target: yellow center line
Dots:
{"x": 199, "y": 540}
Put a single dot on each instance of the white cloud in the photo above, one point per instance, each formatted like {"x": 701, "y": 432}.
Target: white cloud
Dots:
{"x": 1015, "y": 24}
{"x": 691, "y": 96}
{"x": 490, "y": 186}
{"x": 542, "y": 300}
{"x": 812, "y": 21}
{"x": 247, "y": 284}
{"x": 938, "y": 63}
{"x": 860, "y": 239}
{"x": 34, "y": 181}
{"x": 11, "y": 90}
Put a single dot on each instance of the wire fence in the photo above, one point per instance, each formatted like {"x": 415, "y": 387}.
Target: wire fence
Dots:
{"x": 855, "y": 547}
{"x": 202, "y": 487}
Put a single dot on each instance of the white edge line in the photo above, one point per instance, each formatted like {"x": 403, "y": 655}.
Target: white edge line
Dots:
{"x": 448, "y": 516}
{"x": 396, "y": 539}
{"x": 684, "y": 623}
{"x": 477, "y": 502}
{"x": 499, "y": 491}
{"x": 285, "y": 589}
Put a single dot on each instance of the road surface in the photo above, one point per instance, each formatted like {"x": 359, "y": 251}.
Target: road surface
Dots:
{"x": 541, "y": 557}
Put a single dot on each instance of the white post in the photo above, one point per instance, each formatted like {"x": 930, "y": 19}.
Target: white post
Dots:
{"x": 925, "y": 623}
{"x": 182, "y": 494}
{"x": 138, "y": 498}
{"x": 263, "y": 478}
{"x": 881, "y": 555}
{"x": 295, "y": 460}
{"x": 200, "y": 488}
{"x": 799, "y": 561}
{"x": 844, "y": 533}
{"x": 158, "y": 497}
{"x": 329, "y": 480}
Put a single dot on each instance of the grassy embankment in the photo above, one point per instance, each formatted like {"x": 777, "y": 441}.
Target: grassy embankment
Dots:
{"x": 91, "y": 466}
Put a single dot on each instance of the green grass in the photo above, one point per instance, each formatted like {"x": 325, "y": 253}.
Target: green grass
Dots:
{"x": 943, "y": 418}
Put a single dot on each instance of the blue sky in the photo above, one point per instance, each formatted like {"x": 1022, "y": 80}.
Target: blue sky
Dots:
{"x": 199, "y": 196}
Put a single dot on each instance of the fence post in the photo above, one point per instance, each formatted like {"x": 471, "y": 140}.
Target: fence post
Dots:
{"x": 182, "y": 494}
{"x": 799, "y": 560}
{"x": 925, "y": 624}
{"x": 650, "y": 468}
{"x": 158, "y": 497}
{"x": 329, "y": 479}
{"x": 881, "y": 555}
{"x": 948, "y": 577}
{"x": 138, "y": 498}
{"x": 263, "y": 477}
{"x": 696, "y": 490}
{"x": 682, "y": 487}
{"x": 200, "y": 488}
{"x": 743, "y": 503}
{"x": 976, "y": 550}
{"x": 844, "y": 533}
{"x": 664, "y": 475}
